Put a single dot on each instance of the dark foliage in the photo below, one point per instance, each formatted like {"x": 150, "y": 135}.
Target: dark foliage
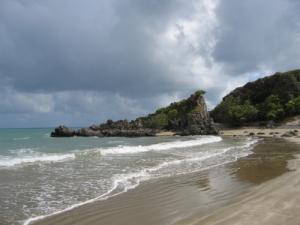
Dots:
{"x": 174, "y": 116}
{"x": 270, "y": 98}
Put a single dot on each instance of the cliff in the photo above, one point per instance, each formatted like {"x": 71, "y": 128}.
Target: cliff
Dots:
{"x": 187, "y": 117}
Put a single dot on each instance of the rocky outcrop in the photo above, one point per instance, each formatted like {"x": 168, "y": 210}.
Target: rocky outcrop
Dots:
{"x": 187, "y": 117}
{"x": 63, "y": 131}
{"x": 199, "y": 121}
{"x": 290, "y": 133}
{"x": 88, "y": 132}
{"x": 121, "y": 128}
{"x": 196, "y": 126}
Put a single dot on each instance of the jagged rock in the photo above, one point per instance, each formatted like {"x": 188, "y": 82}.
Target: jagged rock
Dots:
{"x": 63, "y": 131}
{"x": 109, "y": 131}
{"x": 88, "y": 132}
{"x": 94, "y": 127}
{"x": 198, "y": 121}
{"x": 289, "y": 133}
{"x": 200, "y": 124}
{"x": 128, "y": 133}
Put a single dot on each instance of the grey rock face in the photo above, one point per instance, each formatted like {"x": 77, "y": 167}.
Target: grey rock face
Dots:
{"x": 290, "y": 133}
{"x": 199, "y": 121}
{"x": 63, "y": 131}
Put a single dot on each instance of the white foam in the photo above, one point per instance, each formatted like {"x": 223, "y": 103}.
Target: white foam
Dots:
{"x": 120, "y": 181}
{"x": 10, "y": 161}
{"x": 22, "y": 151}
{"x": 27, "y": 155}
{"x": 130, "y": 181}
{"x": 160, "y": 146}
{"x": 21, "y": 138}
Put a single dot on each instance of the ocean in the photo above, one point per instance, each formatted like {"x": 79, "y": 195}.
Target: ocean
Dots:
{"x": 42, "y": 176}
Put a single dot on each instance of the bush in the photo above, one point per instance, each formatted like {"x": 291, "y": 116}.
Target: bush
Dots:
{"x": 172, "y": 114}
{"x": 293, "y": 106}
{"x": 272, "y": 108}
{"x": 158, "y": 121}
{"x": 200, "y": 93}
{"x": 242, "y": 113}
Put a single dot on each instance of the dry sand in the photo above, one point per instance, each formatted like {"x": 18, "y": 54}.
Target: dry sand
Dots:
{"x": 166, "y": 133}
{"x": 276, "y": 202}
{"x": 259, "y": 132}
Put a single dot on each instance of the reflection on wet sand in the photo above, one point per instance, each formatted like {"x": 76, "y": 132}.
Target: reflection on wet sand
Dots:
{"x": 268, "y": 161}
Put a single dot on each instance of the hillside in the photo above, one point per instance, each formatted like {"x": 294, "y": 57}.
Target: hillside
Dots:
{"x": 187, "y": 117}
{"x": 271, "y": 98}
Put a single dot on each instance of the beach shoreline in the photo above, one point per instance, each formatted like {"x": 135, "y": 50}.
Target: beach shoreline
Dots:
{"x": 274, "y": 202}
{"x": 261, "y": 132}
{"x": 89, "y": 214}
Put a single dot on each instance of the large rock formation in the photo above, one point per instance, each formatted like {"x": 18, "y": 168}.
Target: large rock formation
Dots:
{"x": 199, "y": 121}
{"x": 187, "y": 117}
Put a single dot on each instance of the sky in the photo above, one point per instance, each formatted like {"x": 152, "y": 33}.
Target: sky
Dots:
{"x": 81, "y": 62}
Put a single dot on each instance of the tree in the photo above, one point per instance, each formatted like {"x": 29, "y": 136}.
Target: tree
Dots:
{"x": 221, "y": 112}
{"x": 272, "y": 108}
{"x": 293, "y": 106}
{"x": 242, "y": 113}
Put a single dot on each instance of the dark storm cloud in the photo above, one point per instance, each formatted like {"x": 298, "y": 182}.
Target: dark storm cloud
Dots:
{"x": 257, "y": 34}
{"x": 86, "y": 45}
{"x": 84, "y": 61}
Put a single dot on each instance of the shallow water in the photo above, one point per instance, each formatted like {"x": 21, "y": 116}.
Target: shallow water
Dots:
{"x": 40, "y": 175}
{"x": 184, "y": 199}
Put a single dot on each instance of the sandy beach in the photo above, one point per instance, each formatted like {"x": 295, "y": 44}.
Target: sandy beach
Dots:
{"x": 262, "y": 188}
{"x": 259, "y": 132}
{"x": 274, "y": 202}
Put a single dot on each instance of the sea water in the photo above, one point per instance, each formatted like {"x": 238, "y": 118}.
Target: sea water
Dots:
{"x": 42, "y": 176}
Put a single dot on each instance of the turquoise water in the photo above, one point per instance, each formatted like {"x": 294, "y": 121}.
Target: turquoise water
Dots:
{"x": 40, "y": 175}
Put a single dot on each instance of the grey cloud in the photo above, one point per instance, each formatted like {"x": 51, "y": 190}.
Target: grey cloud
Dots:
{"x": 80, "y": 62}
{"x": 258, "y": 34}
{"x": 86, "y": 45}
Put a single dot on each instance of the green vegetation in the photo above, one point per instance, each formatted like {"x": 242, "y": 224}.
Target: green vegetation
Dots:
{"x": 200, "y": 93}
{"x": 175, "y": 115}
{"x": 269, "y": 98}
{"x": 293, "y": 106}
{"x": 157, "y": 121}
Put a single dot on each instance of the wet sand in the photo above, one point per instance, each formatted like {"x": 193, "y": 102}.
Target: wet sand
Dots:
{"x": 188, "y": 199}
{"x": 275, "y": 202}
